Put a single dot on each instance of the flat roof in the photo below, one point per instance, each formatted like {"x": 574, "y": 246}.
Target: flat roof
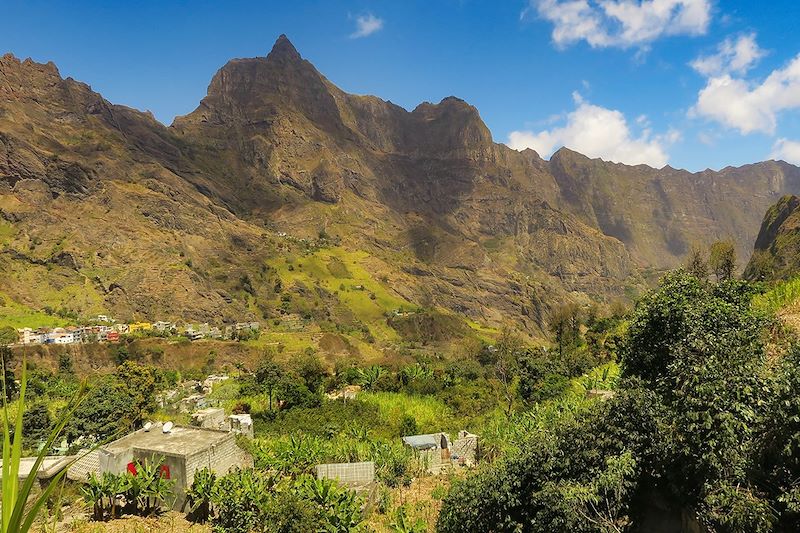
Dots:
{"x": 51, "y": 465}
{"x": 181, "y": 440}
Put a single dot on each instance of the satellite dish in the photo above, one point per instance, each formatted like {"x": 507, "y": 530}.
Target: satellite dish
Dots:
{"x": 148, "y": 426}
{"x": 167, "y": 427}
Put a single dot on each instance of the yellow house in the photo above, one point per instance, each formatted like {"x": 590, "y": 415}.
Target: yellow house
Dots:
{"x": 139, "y": 326}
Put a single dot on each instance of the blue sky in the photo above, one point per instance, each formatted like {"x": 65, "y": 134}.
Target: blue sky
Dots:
{"x": 691, "y": 83}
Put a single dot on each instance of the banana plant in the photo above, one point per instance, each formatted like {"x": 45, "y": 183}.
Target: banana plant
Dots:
{"x": 94, "y": 494}
{"x": 150, "y": 489}
{"x": 18, "y": 513}
{"x": 200, "y": 495}
{"x": 342, "y": 508}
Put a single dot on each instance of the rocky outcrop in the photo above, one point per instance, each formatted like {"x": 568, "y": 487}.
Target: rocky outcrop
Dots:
{"x": 776, "y": 254}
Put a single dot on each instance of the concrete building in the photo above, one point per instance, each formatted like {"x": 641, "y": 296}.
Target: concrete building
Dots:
{"x": 465, "y": 449}
{"x": 210, "y": 418}
{"x": 437, "y": 451}
{"x": 182, "y": 451}
{"x": 50, "y": 466}
{"x": 241, "y": 424}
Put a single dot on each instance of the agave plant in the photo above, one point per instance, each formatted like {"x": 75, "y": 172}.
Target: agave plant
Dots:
{"x": 414, "y": 372}
{"x": 369, "y": 377}
{"x": 18, "y": 513}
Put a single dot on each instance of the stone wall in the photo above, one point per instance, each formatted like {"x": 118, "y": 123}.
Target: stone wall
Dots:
{"x": 211, "y": 418}
{"x": 465, "y": 447}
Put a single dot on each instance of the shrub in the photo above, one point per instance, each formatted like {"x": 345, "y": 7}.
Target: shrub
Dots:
{"x": 408, "y": 426}
{"x": 200, "y": 495}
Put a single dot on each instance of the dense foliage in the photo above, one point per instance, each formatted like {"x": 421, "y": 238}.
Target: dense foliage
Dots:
{"x": 703, "y": 425}
{"x": 248, "y": 501}
{"x": 117, "y": 403}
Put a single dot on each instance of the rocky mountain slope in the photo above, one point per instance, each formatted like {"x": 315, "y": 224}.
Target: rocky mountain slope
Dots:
{"x": 776, "y": 254}
{"x": 103, "y": 208}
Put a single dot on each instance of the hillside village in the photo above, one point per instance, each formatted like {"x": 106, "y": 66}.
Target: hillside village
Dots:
{"x": 105, "y": 329}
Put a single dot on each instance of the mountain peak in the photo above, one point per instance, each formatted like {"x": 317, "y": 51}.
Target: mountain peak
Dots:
{"x": 284, "y": 49}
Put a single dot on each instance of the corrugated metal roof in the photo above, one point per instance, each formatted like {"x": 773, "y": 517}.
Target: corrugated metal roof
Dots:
{"x": 423, "y": 442}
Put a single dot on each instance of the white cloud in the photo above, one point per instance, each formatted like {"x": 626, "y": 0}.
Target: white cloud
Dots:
{"x": 750, "y": 106}
{"x": 706, "y": 138}
{"x": 366, "y": 25}
{"x": 786, "y": 150}
{"x": 732, "y": 56}
{"x": 598, "y": 132}
{"x": 622, "y": 23}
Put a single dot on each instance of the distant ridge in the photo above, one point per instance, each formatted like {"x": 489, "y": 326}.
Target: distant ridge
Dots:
{"x": 103, "y": 202}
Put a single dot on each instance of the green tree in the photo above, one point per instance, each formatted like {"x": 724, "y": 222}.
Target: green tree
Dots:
{"x": 701, "y": 418}
{"x": 506, "y": 367}
{"x": 117, "y": 403}
{"x": 269, "y": 374}
{"x": 8, "y": 335}
{"x": 121, "y": 354}
{"x": 293, "y": 392}
{"x": 139, "y": 384}
{"x": 565, "y": 325}
{"x": 37, "y": 423}
{"x": 697, "y": 264}
{"x": 65, "y": 365}
{"x": 723, "y": 259}
{"x": 311, "y": 370}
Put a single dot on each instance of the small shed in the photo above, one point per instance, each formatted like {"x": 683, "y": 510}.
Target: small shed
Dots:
{"x": 465, "y": 448}
{"x": 432, "y": 448}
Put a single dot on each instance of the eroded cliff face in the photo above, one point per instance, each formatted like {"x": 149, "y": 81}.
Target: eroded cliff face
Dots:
{"x": 776, "y": 254}
{"x": 156, "y": 218}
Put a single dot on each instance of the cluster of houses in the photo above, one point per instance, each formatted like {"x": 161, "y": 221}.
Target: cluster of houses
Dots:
{"x": 107, "y": 330}
{"x": 210, "y": 440}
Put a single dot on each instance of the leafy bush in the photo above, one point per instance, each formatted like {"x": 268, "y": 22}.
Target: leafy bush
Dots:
{"x": 701, "y": 420}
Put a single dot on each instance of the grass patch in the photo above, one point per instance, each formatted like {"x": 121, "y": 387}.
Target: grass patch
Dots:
{"x": 343, "y": 273}
{"x": 430, "y": 413}
{"x": 6, "y": 232}
{"x": 19, "y": 316}
{"x": 782, "y": 295}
